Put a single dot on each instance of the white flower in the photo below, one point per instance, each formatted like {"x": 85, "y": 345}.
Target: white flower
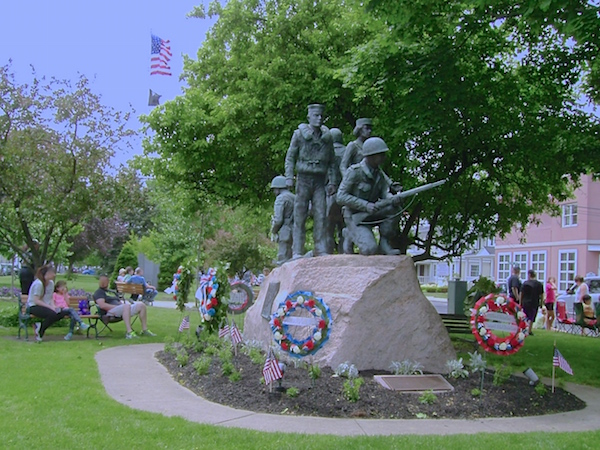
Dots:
{"x": 500, "y": 301}
{"x": 482, "y": 331}
{"x": 318, "y": 312}
{"x": 520, "y": 336}
{"x": 502, "y": 346}
{"x": 483, "y": 310}
{"x": 521, "y": 315}
{"x": 300, "y": 300}
{"x": 295, "y": 349}
{"x": 281, "y": 312}
{"x": 317, "y": 337}
{"x": 277, "y": 336}
{"x": 207, "y": 317}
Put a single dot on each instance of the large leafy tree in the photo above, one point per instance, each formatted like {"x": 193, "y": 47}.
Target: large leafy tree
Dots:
{"x": 487, "y": 96}
{"x": 56, "y": 140}
{"x": 261, "y": 64}
{"x": 469, "y": 93}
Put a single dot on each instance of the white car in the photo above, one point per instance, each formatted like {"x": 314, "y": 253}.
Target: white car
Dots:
{"x": 569, "y": 296}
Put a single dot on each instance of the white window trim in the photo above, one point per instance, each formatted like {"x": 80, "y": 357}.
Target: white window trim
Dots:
{"x": 523, "y": 263}
{"x": 540, "y": 252}
{"x": 564, "y": 215}
{"x": 569, "y": 282}
{"x": 501, "y": 277}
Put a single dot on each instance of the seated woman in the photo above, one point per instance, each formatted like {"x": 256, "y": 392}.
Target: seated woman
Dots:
{"x": 41, "y": 303}
{"x": 61, "y": 301}
{"x": 121, "y": 277}
{"x": 589, "y": 315}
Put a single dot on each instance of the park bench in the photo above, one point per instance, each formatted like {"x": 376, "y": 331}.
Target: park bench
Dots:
{"x": 25, "y": 316}
{"x": 136, "y": 290}
{"x": 457, "y": 323}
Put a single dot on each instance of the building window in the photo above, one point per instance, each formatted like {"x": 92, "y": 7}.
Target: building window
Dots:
{"x": 569, "y": 215}
{"x": 567, "y": 268}
{"x": 491, "y": 242}
{"x": 520, "y": 261}
{"x": 503, "y": 267}
{"x": 474, "y": 270}
{"x": 538, "y": 263}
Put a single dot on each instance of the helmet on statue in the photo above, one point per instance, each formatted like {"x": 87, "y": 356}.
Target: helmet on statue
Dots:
{"x": 278, "y": 182}
{"x": 374, "y": 145}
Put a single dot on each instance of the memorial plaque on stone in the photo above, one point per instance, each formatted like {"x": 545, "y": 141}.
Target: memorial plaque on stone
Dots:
{"x": 414, "y": 383}
{"x": 270, "y": 296}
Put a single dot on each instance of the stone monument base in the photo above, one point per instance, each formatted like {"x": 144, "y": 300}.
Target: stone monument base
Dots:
{"x": 379, "y": 313}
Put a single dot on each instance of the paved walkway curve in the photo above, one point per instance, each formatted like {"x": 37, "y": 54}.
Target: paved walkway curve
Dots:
{"x": 133, "y": 377}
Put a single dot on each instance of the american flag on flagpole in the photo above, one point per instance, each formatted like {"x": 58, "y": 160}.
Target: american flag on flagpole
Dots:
{"x": 560, "y": 361}
{"x": 160, "y": 55}
{"x": 185, "y": 324}
{"x": 236, "y": 336}
{"x": 224, "y": 331}
{"x": 271, "y": 371}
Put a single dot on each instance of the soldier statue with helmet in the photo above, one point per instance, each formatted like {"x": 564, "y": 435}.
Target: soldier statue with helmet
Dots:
{"x": 311, "y": 157}
{"x": 283, "y": 218}
{"x": 362, "y": 192}
{"x": 354, "y": 149}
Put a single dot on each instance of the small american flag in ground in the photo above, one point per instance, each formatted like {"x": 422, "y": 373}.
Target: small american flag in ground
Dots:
{"x": 560, "y": 361}
{"x": 160, "y": 55}
{"x": 185, "y": 324}
{"x": 236, "y": 336}
{"x": 223, "y": 332}
{"x": 271, "y": 371}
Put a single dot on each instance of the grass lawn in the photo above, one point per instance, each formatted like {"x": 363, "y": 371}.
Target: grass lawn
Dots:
{"x": 52, "y": 398}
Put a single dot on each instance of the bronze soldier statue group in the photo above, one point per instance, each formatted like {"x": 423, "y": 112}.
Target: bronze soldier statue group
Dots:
{"x": 346, "y": 189}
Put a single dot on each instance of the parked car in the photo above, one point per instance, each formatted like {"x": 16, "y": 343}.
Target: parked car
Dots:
{"x": 569, "y": 296}
{"x": 89, "y": 272}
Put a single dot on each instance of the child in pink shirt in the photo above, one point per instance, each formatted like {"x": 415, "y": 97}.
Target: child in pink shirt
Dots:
{"x": 61, "y": 301}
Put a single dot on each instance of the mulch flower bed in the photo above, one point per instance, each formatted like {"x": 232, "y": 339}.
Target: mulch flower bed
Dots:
{"x": 325, "y": 397}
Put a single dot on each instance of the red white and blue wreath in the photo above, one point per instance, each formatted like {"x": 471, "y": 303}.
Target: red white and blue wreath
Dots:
{"x": 486, "y": 317}
{"x": 319, "y": 321}
{"x": 208, "y": 300}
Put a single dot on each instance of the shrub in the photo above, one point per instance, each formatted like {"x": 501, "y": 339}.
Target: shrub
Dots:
{"x": 482, "y": 286}
{"x": 127, "y": 257}
{"x": 227, "y": 369}
{"x": 541, "y": 389}
{"x": 9, "y": 316}
{"x": 256, "y": 355}
{"x": 456, "y": 368}
{"x": 202, "y": 365}
{"x": 502, "y": 374}
{"x": 6, "y": 292}
{"x": 314, "y": 372}
{"x": 182, "y": 357}
{"x": 428, "y": 397}
{"x": 235, "y": 376}
{"x": 351, "y": 389}
{"x": 406, "y": 367}
{"x": 346, "y": 370}
{"x": 226, "y": 355}
{"x": 292, "y": 392}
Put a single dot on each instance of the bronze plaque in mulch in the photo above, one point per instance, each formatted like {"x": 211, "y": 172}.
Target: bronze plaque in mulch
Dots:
{"x": 271, "y": 295}
{"x": 414, "y": 383}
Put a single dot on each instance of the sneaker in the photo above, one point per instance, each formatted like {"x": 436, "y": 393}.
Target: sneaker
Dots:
{"x": 131, "y": 335}
{"x": 36, "y": 331}
{"x": 68, "y": 336}
{"x": 148, "y": 333}
{"x": 83, "y": 326}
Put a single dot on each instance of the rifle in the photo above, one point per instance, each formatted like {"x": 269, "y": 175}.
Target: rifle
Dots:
{"x": 359, "y": 217}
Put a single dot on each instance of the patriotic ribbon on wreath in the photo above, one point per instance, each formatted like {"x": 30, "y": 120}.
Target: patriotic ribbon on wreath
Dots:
{"x": 208, "y": 297}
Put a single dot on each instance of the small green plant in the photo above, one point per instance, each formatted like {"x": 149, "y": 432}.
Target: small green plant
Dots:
{"x": 351, "y": 389}
{"x": 421, "y": 416}
{"x": 406, "y": 367}
{"x": 502, "y": 374}
{"x": 456, "y": 369}
{"x": 182, "y": 357}
{"x": 476, "y": 392}
{"x": 169, "y": 345}
{"x": 226, "y": 355}
{"x": 211, "y": 350}
{"x": 292, "y": 392}
{"x": 541, "y": 389}
{"x": 346, "y": 370}
{"x": 227, "y": 368}
{"x": 478, "y": 364}
{"x": 256, "y": 355}
{"x": 202, "y": 365}
{"x": 235, "y": 376}
{"x": 314, "y": 372}
{"x": 428, "y": 397}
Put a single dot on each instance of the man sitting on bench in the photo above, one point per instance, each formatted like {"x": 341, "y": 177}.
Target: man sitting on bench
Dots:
{"x": 150, "y": 291}
{"x": 114, "y": 307}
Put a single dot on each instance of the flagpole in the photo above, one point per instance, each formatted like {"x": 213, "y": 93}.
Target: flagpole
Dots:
{"x": 553, "y": 366}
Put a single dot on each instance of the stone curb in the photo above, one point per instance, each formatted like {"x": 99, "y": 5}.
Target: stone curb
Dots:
{"x": 133, "y": 377}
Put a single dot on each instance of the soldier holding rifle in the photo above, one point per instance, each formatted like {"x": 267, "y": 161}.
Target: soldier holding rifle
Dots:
{"x": 367, "y": 200}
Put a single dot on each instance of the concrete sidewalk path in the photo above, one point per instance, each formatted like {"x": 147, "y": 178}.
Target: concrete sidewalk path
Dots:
{"x": 133, "y": 377}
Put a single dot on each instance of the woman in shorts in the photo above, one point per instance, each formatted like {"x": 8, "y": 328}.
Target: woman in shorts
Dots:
{"x": 551, "y": 290}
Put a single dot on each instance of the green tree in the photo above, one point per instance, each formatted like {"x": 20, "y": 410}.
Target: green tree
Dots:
{"x": 127, "y": 257}
{"x": 259, "y": 67}
{"x": 56, "y": 140}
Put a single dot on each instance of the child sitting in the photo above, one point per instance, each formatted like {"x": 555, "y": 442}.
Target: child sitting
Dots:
{"x": 589, "y": 316}
{"x": 61, "y": 301}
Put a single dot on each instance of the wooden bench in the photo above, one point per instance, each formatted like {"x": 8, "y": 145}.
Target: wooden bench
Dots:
{"x": 25, "y": 316}
{"x": 457, "y": 323}
{"x": 136, "y": 290}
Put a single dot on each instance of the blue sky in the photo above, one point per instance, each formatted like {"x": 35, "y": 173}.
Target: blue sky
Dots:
{"x": 108, "y": 41}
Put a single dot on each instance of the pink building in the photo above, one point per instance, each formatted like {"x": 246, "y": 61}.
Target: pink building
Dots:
{"x": 562, "y": 246}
